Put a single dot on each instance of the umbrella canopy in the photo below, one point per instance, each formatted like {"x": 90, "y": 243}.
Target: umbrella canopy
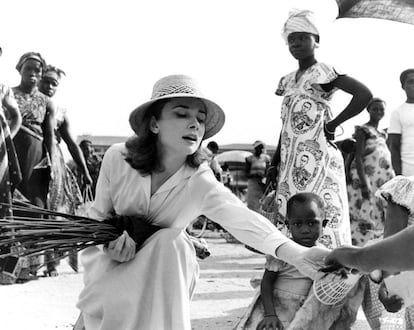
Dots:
{"x": 238, "y": 156}
{"x": 394, "y": 10}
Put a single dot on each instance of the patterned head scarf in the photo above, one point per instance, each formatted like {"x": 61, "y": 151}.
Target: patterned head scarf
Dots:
{"x": 299, "y": 21}
{"x": 30, "y": 56}
{"x": 53, "y": 72}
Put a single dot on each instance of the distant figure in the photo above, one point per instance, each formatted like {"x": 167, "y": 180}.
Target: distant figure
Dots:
{"x": 400, "y": 131}
{"x": 93, "y": 163}
{"x": 256, "y": 166}
{"x": 213, "y": 147}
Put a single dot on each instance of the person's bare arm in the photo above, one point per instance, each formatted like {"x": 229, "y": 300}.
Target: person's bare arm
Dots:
{"x": 393, "y": 254}
{"x": 394, "y": 144}
{"x": 396, "y": 219}
{"x": 76, "y": 153}
{"x": 48, "y": 127}
{"x": 361, "y": 95}
{"x": 359, "y": 162}
{"x": 13, "y": 115}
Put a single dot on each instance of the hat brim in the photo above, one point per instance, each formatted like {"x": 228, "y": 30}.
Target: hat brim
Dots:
{"x": 215, "y": 116}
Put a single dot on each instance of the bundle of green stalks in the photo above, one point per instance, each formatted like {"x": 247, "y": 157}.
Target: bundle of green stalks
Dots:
{"x": 32, "y": 231}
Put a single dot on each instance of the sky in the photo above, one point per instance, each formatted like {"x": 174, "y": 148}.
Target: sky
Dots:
{"x": 114, "y": 51}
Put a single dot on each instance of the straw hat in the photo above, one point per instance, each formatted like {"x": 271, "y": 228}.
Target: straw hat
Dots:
{"x": 179, "y": 86}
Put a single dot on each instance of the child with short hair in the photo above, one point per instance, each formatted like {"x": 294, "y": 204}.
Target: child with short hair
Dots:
{"x": 284, "y": 290}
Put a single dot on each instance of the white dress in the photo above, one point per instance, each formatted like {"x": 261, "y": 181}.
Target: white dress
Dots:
{"x": 153, "y": 290}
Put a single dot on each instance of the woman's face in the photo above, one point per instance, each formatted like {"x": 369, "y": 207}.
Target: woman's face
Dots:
{"x": 181, "y": 125}
{"x": 301, "y": 45}
{"x": 31, "y": 72}
{"x": 376, "y": 111}
{"x": 48, "y": 84}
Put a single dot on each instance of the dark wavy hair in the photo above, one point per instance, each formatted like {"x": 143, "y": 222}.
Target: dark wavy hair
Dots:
{"x": 143, "y": 153}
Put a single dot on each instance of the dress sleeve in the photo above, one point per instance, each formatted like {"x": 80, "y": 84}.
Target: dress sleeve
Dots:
{"x": 326, "y": 74}
{"x": 220, "y": 205}
{"x": 281, "y": 88}
{"x": 399, "y": 190}
{"x": 273, "y": 264}
{"x": 395, "y": 123}
{"x": 102, "y": 205}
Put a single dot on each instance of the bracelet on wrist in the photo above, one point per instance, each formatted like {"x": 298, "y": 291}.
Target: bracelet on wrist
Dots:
{"x": 269, "y": 315}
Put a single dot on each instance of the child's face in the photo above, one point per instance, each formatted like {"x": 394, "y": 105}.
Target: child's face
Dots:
{"x": 305, "y": 223}
{"x": 301, "y": 44}
{"x": 409, "y": 85}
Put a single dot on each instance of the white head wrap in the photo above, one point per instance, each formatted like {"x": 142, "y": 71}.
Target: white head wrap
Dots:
{"x": 299, "y": 21}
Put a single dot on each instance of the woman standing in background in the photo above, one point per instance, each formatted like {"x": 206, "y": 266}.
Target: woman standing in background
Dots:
{"x": 369, "y": 170}
{"x": 256, "y": 166}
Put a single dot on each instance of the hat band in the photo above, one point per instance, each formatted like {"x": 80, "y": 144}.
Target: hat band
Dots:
{"x": 170, "y": 90}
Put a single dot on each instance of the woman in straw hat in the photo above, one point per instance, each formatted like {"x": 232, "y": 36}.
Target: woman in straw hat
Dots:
{"x": 160, "y": 173}
{"x": 310, "y": 161}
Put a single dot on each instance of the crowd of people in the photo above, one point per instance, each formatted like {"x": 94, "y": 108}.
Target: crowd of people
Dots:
{"x": 353, "y": 212}
{"x": 34, "y": 168}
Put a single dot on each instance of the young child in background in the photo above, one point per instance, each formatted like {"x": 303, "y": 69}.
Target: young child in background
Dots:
{"x": 286, "y": 299}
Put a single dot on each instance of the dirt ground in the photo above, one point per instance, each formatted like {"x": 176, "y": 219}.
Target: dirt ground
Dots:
{"x": 221, "y": 297}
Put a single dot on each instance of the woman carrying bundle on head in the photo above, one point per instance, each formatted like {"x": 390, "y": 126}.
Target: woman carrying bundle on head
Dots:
{"x": 160, "y": 173}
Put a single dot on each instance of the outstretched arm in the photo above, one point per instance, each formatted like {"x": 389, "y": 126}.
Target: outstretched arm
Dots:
{"x": 393, "y": 254}
{"x": 361, "y": 95}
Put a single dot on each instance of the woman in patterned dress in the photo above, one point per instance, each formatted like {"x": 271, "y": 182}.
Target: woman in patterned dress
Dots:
{"x": 309, "y": 161}
{"x": 64, "y": 193}
{"x": 34, "y": 141}
{"x": 369, "y": 170}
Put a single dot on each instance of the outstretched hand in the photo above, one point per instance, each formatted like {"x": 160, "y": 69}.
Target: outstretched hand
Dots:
{"x": 344, "y": 256}
{"x": 311, "y": 261}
